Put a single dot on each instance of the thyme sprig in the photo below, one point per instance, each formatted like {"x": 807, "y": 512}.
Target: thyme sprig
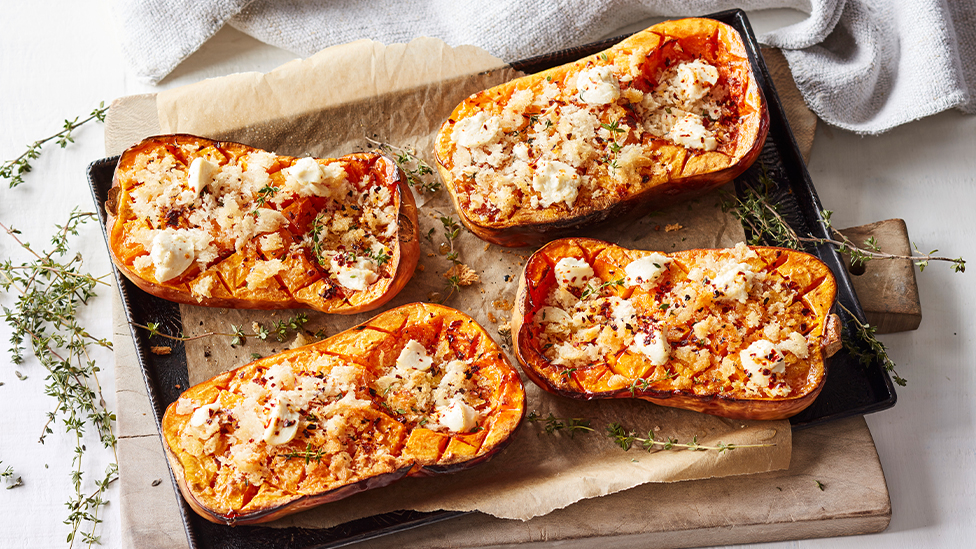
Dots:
{"x": 308, "y": 454}
{"x": 643, "y": 384}
{"x": 315, "y": 234}
{"x": 49, "y": 292}
{"x": 627, "y": 439}
{"x": 452, "y": 230}
{"x": 554, "y": 424}
{"x": 280, "y": 329}
{"x": 418, "y": 172}
{"x": 590, "y": 290}
{"x": 756, "y": 211}
{"x": 877, "y": 350}
{"x": 15, "y": 170}
{"x": 860, "y": 256}
{"x": 8, "y": 475}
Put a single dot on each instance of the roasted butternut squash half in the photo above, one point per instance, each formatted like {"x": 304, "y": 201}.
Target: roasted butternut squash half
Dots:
{"x": 226, "y": 225}
{"x": 418, "y": 390}
{"x": 742, "y": 332}
{"x": 668, "y": 114}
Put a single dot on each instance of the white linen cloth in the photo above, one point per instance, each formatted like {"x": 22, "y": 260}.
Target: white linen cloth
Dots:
{"x": 862, "y": 65}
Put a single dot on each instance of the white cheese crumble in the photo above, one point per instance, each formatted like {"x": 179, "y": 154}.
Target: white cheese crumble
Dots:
{"x": 202, "y": 414}
{"x": 477, "y": 130}
{"x": 598, "y": 85}
{"x": 556, "y": 182}
{"x": 645, "y": 271}
{"x": 733, "y": 283}
{"x": 653, "y": 345}
{"x": 282, "y": 423}
{"x": 172, "y": 252}
{"x": 573, "y": 272}
{"x": 459, "y": 417}
{"x": 695, "y": 79}
{"x": 414, "y": 357}
{"x": 354, "y": 275}
{"x": 624, "y": 313}
{"x": 796, "y": 344}
{"x": 688, "y": 131}
{"x": 201, "y": 174}
{"x": 761, "y": 360}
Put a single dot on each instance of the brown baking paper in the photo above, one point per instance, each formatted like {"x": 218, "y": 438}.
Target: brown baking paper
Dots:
{"x": 328, "y": 105}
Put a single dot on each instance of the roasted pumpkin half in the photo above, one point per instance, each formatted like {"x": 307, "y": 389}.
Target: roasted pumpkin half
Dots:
{"x": 742, "y": 332}
{"x": 669, "y": 113}
{"x": 226, "y": 225}
{"x": 418, "y": 390}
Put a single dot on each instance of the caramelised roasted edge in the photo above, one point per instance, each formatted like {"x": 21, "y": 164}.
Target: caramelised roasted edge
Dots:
{"x": 691, "y": 329}
{"x": 359, "y": 422}
{"x": 538, "y": 156}
{"x": 264, "y": 231}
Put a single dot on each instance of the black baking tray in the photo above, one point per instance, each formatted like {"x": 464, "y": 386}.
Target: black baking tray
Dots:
{"x": 852, "y": 388}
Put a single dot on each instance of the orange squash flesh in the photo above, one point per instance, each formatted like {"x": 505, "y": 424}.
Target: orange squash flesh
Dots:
{"x": 645, "y": 143}
{"x": 255, "y": 232}
{"x": 742, "y": 332}
{"x": 363, "y": 416}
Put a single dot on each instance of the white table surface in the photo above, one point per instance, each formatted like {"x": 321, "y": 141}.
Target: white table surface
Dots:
{"x": 58, "y": 60}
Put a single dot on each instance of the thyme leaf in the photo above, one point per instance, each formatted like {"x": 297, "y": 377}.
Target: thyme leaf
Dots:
{"x": 417, "y": 171}
{"x": 280, "y": 329}
{"x": 627, "y": 439}
{"x": 49, "y": 292}
{"x": 15, "y": 170}
{"x": 554, "y": 424}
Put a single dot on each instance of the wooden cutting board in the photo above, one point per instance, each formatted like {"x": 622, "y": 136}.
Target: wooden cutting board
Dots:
{"x": 782, "y": 505}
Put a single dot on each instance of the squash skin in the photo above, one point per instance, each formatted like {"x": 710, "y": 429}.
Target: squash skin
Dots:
{"x": 537, "y": 279}
{"x": 693, "y": 175}
{"x": 502, "y": 414}
{"x": 405, "y": 242}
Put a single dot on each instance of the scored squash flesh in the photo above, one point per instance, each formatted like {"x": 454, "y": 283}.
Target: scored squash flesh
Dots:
{"x": 741, "y": 332}
{"x": 226, "y": 225}
{"x": 418, "y": 390}
{"x": 669, "y": 113}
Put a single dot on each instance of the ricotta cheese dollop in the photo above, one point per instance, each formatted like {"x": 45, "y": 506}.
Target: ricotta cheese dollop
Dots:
{"x": 598, "y": 85}
{"x": 761, "y": 361}
{"x": 555, "y": 182}
{"x": 573, "y": 272}
{"x": 171, "y": 253}
{"x": 645, "y": 271}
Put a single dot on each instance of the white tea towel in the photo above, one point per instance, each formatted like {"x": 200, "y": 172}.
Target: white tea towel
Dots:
{"x": 862, "y": 65}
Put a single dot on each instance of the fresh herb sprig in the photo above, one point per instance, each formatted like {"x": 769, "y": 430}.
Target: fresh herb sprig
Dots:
{"x": 308, "y": 454}
{"x": 418, "y": 172}
{"x": 459, "y": 274}
{"x": 49, "y": 293}
{"x": 876, "y": 349}
{"x": 757, "y": 211}
{"x": 8, "y": 475}
{"x": 264, "y": 194}
{"x": 590, "y": 290}
{"x": 280, "y": 329}
{"x": 627, "y": 439}
{"x": 871, "y": 250}
{"x": 555, "y": 424}
{"x": 14, "y": 170}
{"x": 643, "y": 384}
